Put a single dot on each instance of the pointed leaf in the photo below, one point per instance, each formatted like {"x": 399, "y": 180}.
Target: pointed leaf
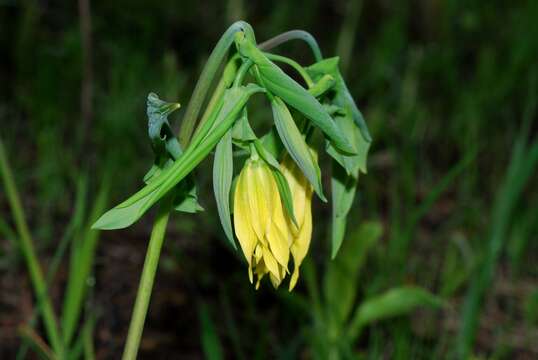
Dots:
{"x": 242, "y": 130}
{"x": 343, "y": 187}
{"x": 352, "y": 163}
{"x": 343, "y": 96}
{"x": 395, "y": 302}
{"x": 222, "y": 182}
{"x": 294, "y": 142}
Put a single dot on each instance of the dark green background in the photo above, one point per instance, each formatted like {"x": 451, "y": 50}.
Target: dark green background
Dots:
{"x": 439, "y": 82}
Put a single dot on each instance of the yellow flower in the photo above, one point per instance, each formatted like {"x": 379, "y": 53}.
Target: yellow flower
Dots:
{"x": 260, "y": 224}
{"x": 265, "y": 232}
{"x": 301, "y": 233}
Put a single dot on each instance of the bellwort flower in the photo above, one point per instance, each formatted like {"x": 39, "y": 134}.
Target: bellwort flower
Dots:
{"x": 259, "y": 221}
{"x": 266, "y": 233}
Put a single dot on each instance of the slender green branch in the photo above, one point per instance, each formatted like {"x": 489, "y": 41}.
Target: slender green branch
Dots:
{"x": 293, "y": 35}
{"x": 206, "y": 78}
{"x": 146, "y": 281}
{"x": 28, "y": 250}
{"x": 242, "y": 72}
{"x": 294, "y": 64}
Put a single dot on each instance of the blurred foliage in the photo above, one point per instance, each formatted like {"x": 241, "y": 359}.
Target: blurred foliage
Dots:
{"x": 448, "y": 89}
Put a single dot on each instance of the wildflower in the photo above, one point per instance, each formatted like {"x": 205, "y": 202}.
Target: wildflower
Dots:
{"x": 267, "y": 235}
{"x": 260, "y": 224}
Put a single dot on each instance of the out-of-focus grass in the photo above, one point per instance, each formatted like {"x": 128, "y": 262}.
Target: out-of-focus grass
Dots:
{"x": 444, "y": 88}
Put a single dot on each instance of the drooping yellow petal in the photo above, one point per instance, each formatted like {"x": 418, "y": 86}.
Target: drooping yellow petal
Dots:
{"x": 259, "y": 199}
{"x": 243, "y": 229}
{"x": 278, "y": 235}
{"x": 260, "y": 270}
{"x": 271, "y": 263}
{"x": 301, "y": 243}
{"x": 297, "y": 182}
{"x": 258, "y": 254}
{"x": 275, "y": 281}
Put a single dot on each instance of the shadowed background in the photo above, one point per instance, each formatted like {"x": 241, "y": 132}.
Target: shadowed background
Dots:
{"x": 448, "y": 90}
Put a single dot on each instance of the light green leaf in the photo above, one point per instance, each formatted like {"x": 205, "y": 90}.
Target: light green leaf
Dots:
{"x": 222, "y": 182}
{"x": 295, "y": 144}
{"x": 352, "y": 163}
{"x": 283, "y": 86}
{"x": 322, "y": 85}
{"x": 186, "y": 198}
{"x": 395, "y": 302}
{"x": 242, "y": 130}
{"x": 343, "y": 187}
{"x": 342, "y": 95}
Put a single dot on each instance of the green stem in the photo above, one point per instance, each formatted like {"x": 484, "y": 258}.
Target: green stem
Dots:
{"x": 293, "y": 35}
{"x": 242, "y": 72}
{"x": 206, "y": 78}
{"x": 28, "y": 250}
{"x": 146, "y": 281}
{"x": 294, "y": 64}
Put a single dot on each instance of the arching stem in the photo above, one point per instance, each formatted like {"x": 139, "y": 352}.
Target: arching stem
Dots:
{"x": 293, "y": 35}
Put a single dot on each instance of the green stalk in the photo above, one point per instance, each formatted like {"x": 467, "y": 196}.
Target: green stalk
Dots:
{"x": 146, "y": 281}
{"x": 242, "y": 72}
{"x": 29, "y": 253}
{"x": 294, "y": 64}
{"x": 293, "y": 35}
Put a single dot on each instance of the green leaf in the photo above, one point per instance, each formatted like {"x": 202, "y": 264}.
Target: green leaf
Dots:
{"x": 342, "y": 95}
{"x": 352, "y": 163}
{"x": 395, "y": 302}
{"x": 322, "y": 85}
{"x": 211, "y": 344}
{"x": 222, "y": 182}
{"x": 159, "y": 130}
{"x": 277, "y": 82}
{"x": 271, "y": 142}
{"x": 134, "y": 207}
{"x": 186, "y": 197}
{"x": 295, "y": 144}
{"x": 340, "y": 281}
{"x": 242, "y": 130}
{"x": 343, "y": 187}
